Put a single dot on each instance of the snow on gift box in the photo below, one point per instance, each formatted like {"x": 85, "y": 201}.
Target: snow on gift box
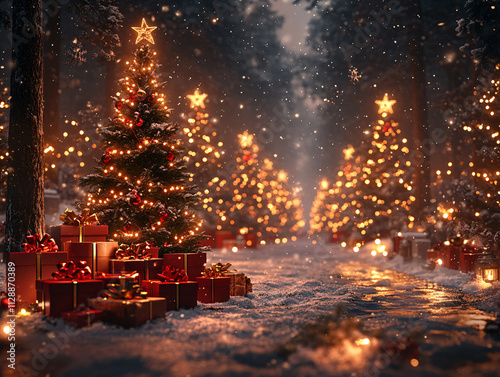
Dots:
{"x": 128, "y": 306}
{"x": 38, "y": 261}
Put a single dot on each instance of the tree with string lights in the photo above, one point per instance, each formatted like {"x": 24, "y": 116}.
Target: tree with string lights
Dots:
{"x": 140, "y": 188}
{"x": 204, "y": 154}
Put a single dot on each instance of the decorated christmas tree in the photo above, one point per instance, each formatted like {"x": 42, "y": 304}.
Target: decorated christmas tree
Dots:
{"x": 141, "y": 188}
{"x": 4, "y": 154}
{"x": 204, "y": 155}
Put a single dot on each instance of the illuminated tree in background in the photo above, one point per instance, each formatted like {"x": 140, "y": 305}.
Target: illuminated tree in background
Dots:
{"x": 473, "y": 205}
{"x": 257, "y": 198}
{"x": 204, "y": 155}
{"x": 373, "y": 191}
{"x": 140, "y": 188}
{"x": 4, "y": 153}
{"x": 330, "y": 207}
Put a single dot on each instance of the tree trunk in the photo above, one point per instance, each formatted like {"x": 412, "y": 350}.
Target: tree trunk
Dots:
{"x": 51, "y": 74}
{"x": 422, "y": 142}
{"x": 25, "y": 206}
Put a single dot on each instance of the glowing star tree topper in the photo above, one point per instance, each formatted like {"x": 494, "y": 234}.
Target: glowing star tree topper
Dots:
{"x": 144, "y": 32}
{"x": 197, "y": 99}
{"x": 385, "y": 106}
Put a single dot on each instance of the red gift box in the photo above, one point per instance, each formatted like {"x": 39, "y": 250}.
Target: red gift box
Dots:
{"x": 451, "y": 255}
{"x": 115, "y": 279}
{"x": 31, "y": 267}
{"x": 74, "y": 233}
{"x": 251, "y": 240}
{"x": 59, "y": 296}
{"x": 222, "y": 235}
{"x": 212, "y": 290}
{"x": 192, "y": 263}
{"x": 131, "y": 313}
{"x": 148, "y": 269}
{"x": 468, "y": 261}
{"x": 96, "y": 254}
{"x": 83, "y": 318}
{"x": 177, "y": 294}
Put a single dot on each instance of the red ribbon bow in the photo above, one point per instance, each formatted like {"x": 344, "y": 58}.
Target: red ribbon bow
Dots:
{"x": 173, "y": 274}
{"x": 73, "y": 271}
{"x": 35, "y": 244}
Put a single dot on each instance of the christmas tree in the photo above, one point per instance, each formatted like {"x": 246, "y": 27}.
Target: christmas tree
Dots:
{"x": 4, "y": 153}
{"x": 473, "y": 203}
{"x": 205, "y": 154}
{"x": 140, "y": 188}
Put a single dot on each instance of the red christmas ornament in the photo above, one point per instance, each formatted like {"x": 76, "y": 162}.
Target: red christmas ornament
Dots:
{"x": 151, "y": 98}
{"x": 106, "y": 159}
{"x": 135, "y": 199}
{"x": 164, "y": 216}
{"x": 247, "y": 157}
{"x": 387, "y": 127}
{"x": 131, "y": 97}
{"x": 119, "y": 105}
{"x": 139, "y": 122}
{"x": 170, "y": 156}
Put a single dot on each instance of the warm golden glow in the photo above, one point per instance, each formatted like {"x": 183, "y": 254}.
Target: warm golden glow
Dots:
{"x": 144, "y": 32}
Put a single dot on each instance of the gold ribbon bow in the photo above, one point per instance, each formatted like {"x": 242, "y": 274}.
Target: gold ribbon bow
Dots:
{"x": 69, "y": 217}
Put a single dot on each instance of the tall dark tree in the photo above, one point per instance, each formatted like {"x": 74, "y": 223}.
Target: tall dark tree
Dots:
{"x": 25, "y": 206}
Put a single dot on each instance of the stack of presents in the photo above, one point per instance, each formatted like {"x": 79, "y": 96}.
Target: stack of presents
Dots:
{"x": 455, "y": 254}
{"x": 76, "y": 274}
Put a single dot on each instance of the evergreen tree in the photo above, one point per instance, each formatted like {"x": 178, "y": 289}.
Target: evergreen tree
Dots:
{"x": 204, "y": 152}
{"x": 140, "y": 188}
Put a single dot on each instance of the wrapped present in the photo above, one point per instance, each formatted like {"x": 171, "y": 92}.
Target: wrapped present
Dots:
{"x": 177, "y": 295}
{"x": 83, "y": 316}
{"x": 215, "y": 289}
{"x": 251, "y": 240}
{"x": 147, "y": 269}
{"x": 240, "y": 284}
{"x": 130, "y": 313}
{"x": 96, "y": 254}
{"x": 468, "y": 262}
{"x": 36, "y": 263}
{"x": 120, "y": 279}
{"x": 451, "y": 257}
{"x": 59, "y": 296}
{"x": 78, "y": 228}
{"x": 173, "y": 274}
{"x": 192, "y": 263}
{"x": 222, "y": 235}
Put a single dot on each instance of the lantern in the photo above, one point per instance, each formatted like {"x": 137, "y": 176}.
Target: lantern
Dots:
{"x": 487, "y": 268}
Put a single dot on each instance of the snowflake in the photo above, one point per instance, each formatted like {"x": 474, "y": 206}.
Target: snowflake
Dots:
{"x": 354, "y": 75}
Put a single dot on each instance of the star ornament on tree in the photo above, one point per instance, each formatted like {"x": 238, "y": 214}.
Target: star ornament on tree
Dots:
{"x": 144, "y": 32}
{"x": 385, "y": 106}
{"x": 197, "y": 99}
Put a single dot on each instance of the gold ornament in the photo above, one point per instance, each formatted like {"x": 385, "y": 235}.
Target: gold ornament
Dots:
{"x": 385, "y": 106}
{"x": 141, "y": 95}
{"x": 144, "y": 32}
{"x": 197, "y": 99}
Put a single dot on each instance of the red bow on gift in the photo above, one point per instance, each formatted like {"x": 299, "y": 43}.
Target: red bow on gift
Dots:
{"x": 173, "y": 274}
{"x": 36, "y": 244}
{"x": 73, "y": 271}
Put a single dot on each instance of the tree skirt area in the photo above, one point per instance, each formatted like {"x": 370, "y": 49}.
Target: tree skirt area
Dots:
{"x": 316, "y": 310}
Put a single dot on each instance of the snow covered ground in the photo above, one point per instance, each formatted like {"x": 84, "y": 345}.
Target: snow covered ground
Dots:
{"x": 294, "y": 285}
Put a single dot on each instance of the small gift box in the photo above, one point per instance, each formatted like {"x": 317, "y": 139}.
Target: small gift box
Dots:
{"x": 83, "y": 317}
{"x": 240, "y": 284}
{"x": 96, "y": 254}
{"x": 148, "y": 269}
{"x": 192, "y": 263}
{"x": 37, "y": 262}
{"x": 451, "y": 255}
{"x": 221, "y": 236}
{"x": 78, "y": 228}
{"x": 468, "y": 262}
{"x": 214, "y": 289}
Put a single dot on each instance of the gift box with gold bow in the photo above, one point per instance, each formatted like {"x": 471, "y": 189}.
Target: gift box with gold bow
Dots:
{"x": 78, "y": 228}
